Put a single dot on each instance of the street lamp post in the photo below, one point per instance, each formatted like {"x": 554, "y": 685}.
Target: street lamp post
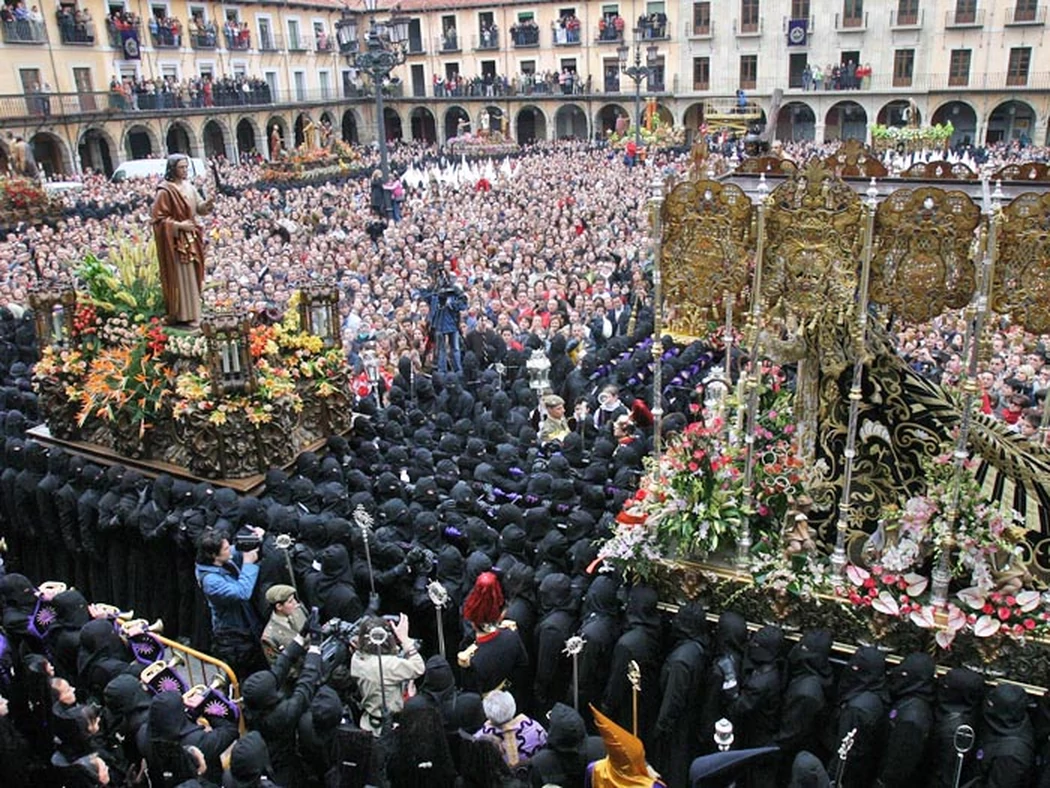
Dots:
{"x": 637, "y": 72}
{"x": 384, "y": 51}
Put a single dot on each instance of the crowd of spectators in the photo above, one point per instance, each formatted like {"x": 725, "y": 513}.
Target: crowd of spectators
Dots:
{"x": 196, "y": 92}
{"x": 550, "y": 252}
{"x": 528, "y": 83}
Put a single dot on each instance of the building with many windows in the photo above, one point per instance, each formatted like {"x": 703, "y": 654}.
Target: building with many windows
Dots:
{"x": 92, "y": 83}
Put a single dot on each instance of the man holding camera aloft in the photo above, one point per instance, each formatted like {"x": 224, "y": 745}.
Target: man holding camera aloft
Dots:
{"x": 228, "y": 577}
{"x": 446, "y": 302}
{"x": 381, "y": 685}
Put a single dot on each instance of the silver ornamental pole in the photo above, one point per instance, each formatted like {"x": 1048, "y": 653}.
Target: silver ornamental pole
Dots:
{"x": 743, "y": 541}
{"x": 838, "y": 556}
{"x": 573, "y": 647}
{"x": 364, "y": 522}
{"x": 656, "y": 202}
{"x": 439, "y": 598}
{"x": 941, "y": 577}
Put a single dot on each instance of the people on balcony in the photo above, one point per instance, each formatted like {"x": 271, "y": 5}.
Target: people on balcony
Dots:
{"x": 237, "y": 34}
{"x": 449, "y": 40}
{"x": 525, "y": 33}
{"x": 75, "y": 25}
{"x": 203, "y": 35}
{"x": 21, "y": 24}
{"x": 324, "y": 44}
{"x": 653, "y": 25}
{"x": 567, "y": 29}
{"x": 610, "y": 27}
{"x": 198, "y": 92}
{"x": 489, "y": 36}
{"x": 166, "y": 31}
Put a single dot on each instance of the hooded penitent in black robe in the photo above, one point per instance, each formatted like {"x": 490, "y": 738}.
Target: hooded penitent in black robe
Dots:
{"x": 101, "y": 657}
{"x": 168, "y": 724}
{"x": 806, "y": 700}
{"x": 959, "y": 697}
{"x": 276, "y": 714}
{"x": 756, "y": 710}
{"x": 862, "y": 705}
{"x": 58, "y": 562}
{"x": 910, "y": 721}
{"x": 675, "y": 738}
{"x": 600, "y": 629}
{"x": 563, "y": 760}
{"x": 553, "y": 666}
{"x": 1006, "y": 742}
{"x": 641, "y": 643}
{"x": 725, "y": 675}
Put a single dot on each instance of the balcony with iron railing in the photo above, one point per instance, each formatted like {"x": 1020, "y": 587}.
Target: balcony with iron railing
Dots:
{"x": 854, "y": 23}
{"x": 73, "y": 31}
{"x": 270, "y": 42}
{"x": 449, "y": 42}
{"x": 608, "y": 34}
{"x": 25, "y": 31}
{"x": 909, "y": 20}
{"x": 115, "y": 33}
{"x": 298, "y": 43}
{"x": 701, "y": 30}
{"x": 485, "y": 41}
{"x": 654, "y": 31}
{"x": 323, "y": 44}
{"x": 1019, "y": 16}
{"x": 567, "y": 36}
{"x": 238, "y": 41}
{"x": 204, "y": 37}
{"x": 525, "y": 36}
{"x": 166, "y": 37}
{"x": 964, "y": 17}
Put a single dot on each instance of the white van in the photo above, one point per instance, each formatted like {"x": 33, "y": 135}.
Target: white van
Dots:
{"x": 149, "y": 168}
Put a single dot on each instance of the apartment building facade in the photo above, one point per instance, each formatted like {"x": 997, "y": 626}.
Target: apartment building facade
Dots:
{"x": 95, "y": 82}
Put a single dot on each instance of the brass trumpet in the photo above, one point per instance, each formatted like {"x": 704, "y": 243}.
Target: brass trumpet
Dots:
{"x": 137, "y": 626}
{"x": 150, "y": 672}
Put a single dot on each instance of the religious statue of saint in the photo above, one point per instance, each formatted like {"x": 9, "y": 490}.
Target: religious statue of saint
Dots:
{"x": 275, "y": 143}
{"x": 180, "y": 242}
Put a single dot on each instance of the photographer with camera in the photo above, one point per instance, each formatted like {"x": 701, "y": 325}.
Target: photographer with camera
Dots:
{"x": 385, "y": 659}
{"x": 445, "y": 301}
{"x": 275, "y": 713}
{"x": 227, "y": 575}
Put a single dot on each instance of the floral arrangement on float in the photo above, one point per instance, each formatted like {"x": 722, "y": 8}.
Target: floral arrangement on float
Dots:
{"x": 125, "y": 381}
{"x": 306, "y": 163}
{"x": 691, "y": 510}
{"x": 695, "y": 502}
{"x": 23, "y": 200}
{"x": 914, "y": 138}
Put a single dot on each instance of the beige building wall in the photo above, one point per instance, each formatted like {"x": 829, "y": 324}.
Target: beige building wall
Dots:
{"x": 708, "y": 50}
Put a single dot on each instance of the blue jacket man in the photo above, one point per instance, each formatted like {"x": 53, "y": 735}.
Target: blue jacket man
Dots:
{"x": 228, "y": 579}
{"x": 445, "y": 305}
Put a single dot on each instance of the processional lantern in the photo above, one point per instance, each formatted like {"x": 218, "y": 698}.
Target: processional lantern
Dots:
{"x": 538, "y": 368}
{"x": 52, "y": 304}
{"x": 319, "y": 312}
{"x": 229, "y": 359}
